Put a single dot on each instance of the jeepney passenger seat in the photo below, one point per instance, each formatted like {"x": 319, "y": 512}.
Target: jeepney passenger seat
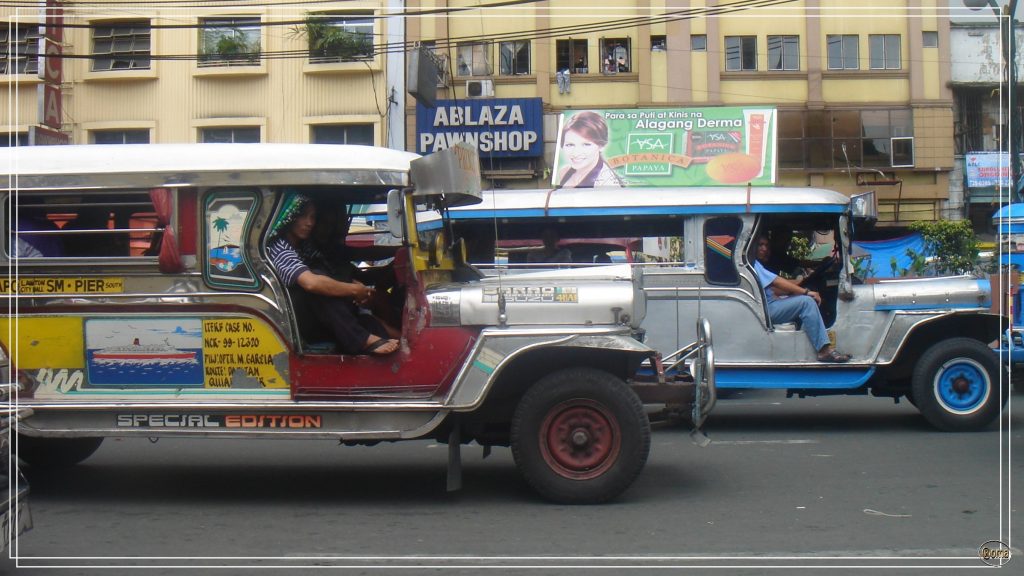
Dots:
{"x": 314, "y": 336}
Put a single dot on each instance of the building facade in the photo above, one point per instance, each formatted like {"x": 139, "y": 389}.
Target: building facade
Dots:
{"x": 862, "y": 94}
{"x": 269, "y": 72}
{"x": 982, "y": 125}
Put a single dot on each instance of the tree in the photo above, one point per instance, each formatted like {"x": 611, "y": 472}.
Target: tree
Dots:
{"x": 952, "y": 242}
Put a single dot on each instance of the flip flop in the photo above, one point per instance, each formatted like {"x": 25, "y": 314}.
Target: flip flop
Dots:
{"x": 371, "y": 349}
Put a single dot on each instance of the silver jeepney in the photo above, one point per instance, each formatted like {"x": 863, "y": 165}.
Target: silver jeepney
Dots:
{"x": 925, "y": 339}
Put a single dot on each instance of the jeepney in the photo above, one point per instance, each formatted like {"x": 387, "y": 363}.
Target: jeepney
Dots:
{"x": 926, "y": 340}
{"x": 143, "y": 304}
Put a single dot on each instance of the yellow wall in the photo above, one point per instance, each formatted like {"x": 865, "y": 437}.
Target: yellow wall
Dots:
{"x": 177, "y": 98}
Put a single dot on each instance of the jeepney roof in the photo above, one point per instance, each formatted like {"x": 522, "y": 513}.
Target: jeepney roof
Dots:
{"x": 155, "y": 165}
{"x": 509, "y": 203}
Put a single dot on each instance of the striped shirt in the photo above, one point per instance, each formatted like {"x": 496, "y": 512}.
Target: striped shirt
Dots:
{"x": 287, "y": 261}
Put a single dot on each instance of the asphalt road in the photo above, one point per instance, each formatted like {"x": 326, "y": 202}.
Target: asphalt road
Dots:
{"x": 839, "y": 481}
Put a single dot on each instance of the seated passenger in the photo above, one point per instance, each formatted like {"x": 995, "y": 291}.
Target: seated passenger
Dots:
{"x": 338, "y": 304}
{"x": 551, "y": 252}
{"x": 788, "y": 301}
{"x": 31, "y": 245}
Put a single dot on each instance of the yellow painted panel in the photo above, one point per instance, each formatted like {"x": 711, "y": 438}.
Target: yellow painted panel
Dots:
{"x": 879, "y": 90}
{"x": 66, "y": 285}
{"x": 763, "y": 92}
{"x": 240, "y": 344}
{"x": 44, "y": 341}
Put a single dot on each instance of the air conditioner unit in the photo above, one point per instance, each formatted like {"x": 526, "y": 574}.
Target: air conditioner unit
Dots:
{"x": 479, "y": 88}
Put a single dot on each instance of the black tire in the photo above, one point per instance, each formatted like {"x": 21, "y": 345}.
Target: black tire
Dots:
{"x": 580, "y": 436}
{"x": 956, "y": 385}
{"x": 55, "y": 452}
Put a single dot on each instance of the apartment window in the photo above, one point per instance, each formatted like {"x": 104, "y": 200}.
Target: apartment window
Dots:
{"x": 843, "y": 52}
{"x": 616, "y": 54}
{"x": 20, "y": 46}
{"x": 659, "y": 43}
{"x": 229, "y": 135}
{"x": 340, "y": 37}
{"x": 884, "y": 134}
{"x": 783, "y": 52}
{"x": 343, "y": 134}
{"x": 120, "y": 136}
{"x": 473, "y": 59}
{"x": 740, "y": 53}
{"x": 884, "y": 51}
{"x": 514, "y": 58}
{"x": 699, "y": 43}
{"x": 229, "y": 41}
{"x": 930, "y": 39}
{"x": 841, "y": 138}
{"x": 572, "y": 54}
{"x": 121, "y": 46}
{"x": 12, "y": 139}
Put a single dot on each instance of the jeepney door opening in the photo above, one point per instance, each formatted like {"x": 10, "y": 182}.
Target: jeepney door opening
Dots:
{"x": 805, "y": 249}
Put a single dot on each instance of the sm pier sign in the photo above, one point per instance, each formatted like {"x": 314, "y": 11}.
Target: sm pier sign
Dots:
{"x": 498, "y": 127}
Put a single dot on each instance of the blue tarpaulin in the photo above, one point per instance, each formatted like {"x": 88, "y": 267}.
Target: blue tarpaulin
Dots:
{"x": 879, "y": 254}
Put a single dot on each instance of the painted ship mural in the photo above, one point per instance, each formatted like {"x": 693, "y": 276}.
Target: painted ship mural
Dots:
{"x": 139, "y": 353}
{"x": 144, "y": 352}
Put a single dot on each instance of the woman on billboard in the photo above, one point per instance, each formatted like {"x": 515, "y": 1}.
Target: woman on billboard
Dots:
{"x": 584, "y": 136}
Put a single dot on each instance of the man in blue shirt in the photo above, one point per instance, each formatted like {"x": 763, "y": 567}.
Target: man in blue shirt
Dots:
{"x": 787, "y": 301}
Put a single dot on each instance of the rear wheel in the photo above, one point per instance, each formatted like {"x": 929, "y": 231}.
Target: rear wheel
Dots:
{"x": 56, "y": 452}
{"x": 580, "y": 436}
{"x": 956, "y": 385}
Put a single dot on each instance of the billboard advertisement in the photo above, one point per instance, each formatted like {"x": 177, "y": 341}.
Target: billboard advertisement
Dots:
{"x": 724, "y": 146}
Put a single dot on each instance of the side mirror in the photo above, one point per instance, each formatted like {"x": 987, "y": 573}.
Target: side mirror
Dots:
{"x": 396, "y": 213}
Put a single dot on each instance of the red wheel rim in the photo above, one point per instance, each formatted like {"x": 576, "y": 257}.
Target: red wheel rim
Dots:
{"x": 580, "y": 439}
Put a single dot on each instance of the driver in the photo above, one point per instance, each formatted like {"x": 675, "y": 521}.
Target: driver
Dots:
{"x": 787, "y": 301}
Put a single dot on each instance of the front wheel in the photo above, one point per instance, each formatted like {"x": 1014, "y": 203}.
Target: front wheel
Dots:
{"x": 56, "y": 452}
{"x": 580, "y": 436}
{"x": 955, "y": 385}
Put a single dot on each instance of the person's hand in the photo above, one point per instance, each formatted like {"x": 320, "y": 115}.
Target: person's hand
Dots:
{"x": 815, "y": 296}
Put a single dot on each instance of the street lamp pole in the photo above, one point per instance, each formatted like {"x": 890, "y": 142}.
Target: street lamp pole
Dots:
{"x": 1006, "y": 16}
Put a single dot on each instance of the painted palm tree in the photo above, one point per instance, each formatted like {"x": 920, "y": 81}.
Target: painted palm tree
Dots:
{"x": 221, "y": 226}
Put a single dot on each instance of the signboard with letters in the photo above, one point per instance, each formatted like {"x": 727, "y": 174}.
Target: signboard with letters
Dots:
{"x": 987, "y": 169}
{"x": 498, "y": 127}
{"x": 666, "y": 147}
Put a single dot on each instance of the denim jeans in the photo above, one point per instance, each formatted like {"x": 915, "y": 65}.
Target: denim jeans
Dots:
{"x": 789, "y": 309}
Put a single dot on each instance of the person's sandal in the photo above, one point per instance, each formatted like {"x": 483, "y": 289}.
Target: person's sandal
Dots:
{"x": 833, "y": 357}
{"x": 372, "y": 349}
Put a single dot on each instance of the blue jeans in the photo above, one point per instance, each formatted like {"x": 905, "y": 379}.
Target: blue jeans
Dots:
{"x": 784, "y": 310}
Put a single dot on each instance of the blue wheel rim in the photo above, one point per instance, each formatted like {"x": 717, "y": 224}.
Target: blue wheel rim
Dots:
{"x": 962, "y": 386}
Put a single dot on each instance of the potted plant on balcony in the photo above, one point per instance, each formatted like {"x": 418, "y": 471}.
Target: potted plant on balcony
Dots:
{"x": 230, "y": 46}
{"x": 331, "y": 43}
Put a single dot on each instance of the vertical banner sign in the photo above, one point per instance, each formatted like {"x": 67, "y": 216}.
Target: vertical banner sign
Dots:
{"x": 52, "y": 66}
{"x": 666, "y": 147}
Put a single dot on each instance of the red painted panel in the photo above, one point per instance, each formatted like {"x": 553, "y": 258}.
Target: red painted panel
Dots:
{"x": 423, "y": 369}
{"x": 187, "y": 221}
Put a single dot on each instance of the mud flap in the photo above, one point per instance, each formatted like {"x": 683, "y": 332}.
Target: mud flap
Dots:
{"x": 454, "y": 482}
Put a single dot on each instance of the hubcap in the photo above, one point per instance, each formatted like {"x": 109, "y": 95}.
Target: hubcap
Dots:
{"x": 962, "y": 386}
{"x": 580, "y": 439}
